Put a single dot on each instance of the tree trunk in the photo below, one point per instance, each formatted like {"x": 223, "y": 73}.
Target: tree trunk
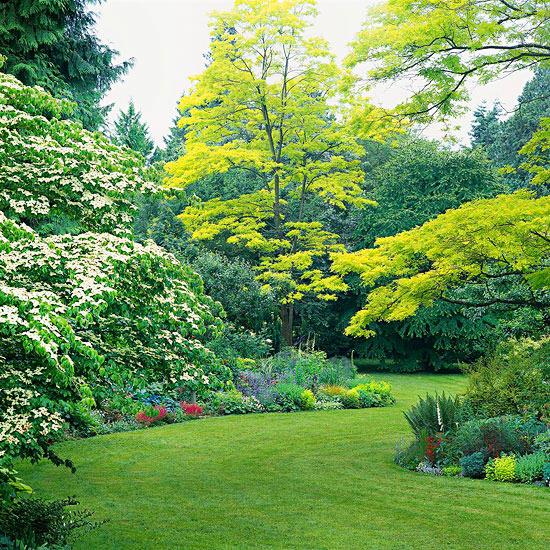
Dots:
{"x": 287, "y": 320}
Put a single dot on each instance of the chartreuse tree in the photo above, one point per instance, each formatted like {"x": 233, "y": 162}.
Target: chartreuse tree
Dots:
{"x": 500, "y": 247}
{"x": 85, "y": 311}
{"x": 438, "y": 46}
{"x": 266, "y": 105}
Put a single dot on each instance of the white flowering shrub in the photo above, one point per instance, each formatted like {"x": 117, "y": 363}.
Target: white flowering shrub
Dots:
{"x": 53, "y": 171}
{"x": 83, "y": 315}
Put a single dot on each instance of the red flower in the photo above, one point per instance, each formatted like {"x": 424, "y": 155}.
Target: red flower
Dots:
{"x": 144, "y": 418}
{"x": 192, "y": 409}
{"x": 431, "y": 447}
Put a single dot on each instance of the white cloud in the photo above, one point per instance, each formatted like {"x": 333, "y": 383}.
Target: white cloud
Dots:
{"x": 168, "y": 38}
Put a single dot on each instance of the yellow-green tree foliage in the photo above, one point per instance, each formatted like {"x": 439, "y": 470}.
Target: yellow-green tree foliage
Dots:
{"x": 266, "y": 103}
{"x": 504, "y": 237}
{"x": 438, "y": 45}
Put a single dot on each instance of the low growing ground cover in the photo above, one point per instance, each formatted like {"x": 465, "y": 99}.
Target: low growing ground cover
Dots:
{"x": 323, "y": 479}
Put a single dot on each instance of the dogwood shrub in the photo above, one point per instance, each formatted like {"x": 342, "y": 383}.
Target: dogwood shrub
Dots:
{"x": 52, "y": 170}
{"x": 83, "y": 315}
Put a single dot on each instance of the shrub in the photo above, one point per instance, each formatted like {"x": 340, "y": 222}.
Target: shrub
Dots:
{"x": 153, "y": 415}
{"x": 288, "y": 396}
{"x": 237, "y": 346}
{"x": 473, "y": 465}
{"x": 307, "y": 400}
{"x": 502, "y": 468}
{"x": 410, "y": 455}
{"x": 491, "y": 436}
{"x": 435, "y": 414}
{"x": 515, "y": 379}
{"x": 452, "y": 470}
{"x": 257, "y": 383}
{"x": 546, "y": 472}
{"x": 374, "y": 394}
{"x": 542, "y": 442}
{"x": 234, "y": 402}
{"x": 191, "y": 409}
{"x": 350, "y": 399}
{"x": 300, "y": 367}
{"x": 34, "y": 522}
{"x": 331, "y": 390}
{"x": 118, "y": 426}
{"x": 530, "y": 468}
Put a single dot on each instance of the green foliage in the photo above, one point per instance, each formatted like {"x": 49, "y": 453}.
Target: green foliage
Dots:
{"x": 10, "y": 484}
{"x": 530, "y": 467}
{"x": 451, "y": 471}
{"x": 542, "y": 442}
{"x": 35, "y": 522}
{"x": 307, "y": 400}
{"x": 503, "y": 139}
{"x": 232, "y": 282}
{"x": 473, "y": 465}
{"x": 55, "y": 174}
{"x": 502, "y": 468}
{"x": 83, "y": 315}
{"x": 462, "y": 248}
{"x": 304, "y": 368}
{"x": 328, "y": 405}
{"x": 434, "y": 48}
{"x": 131, "y": 132}
{"x": 493, "y": 436}
{"x": 434, "y": 414}
{"x": 515, "y": 379}
{"x": 288, "y": 396}
{"x": 419, "y": 180}
{"x": 410, "y": 455}
{"x": 374, "y": 394}
{"x": 233, "y": 402}
{"x": 350, "y": 399}
{"x": 231, "y": 345}
{"x": 248, "y": 111}
{"x": 52, "y": 44}
{"x": 337, "y": 370}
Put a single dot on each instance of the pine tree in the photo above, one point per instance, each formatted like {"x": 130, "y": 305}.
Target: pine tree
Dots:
{"x": 131, "y": 132}
{"x": 52, "y": 44}
{"x": 174, "y": 141}
{"x": 486, "y": 127}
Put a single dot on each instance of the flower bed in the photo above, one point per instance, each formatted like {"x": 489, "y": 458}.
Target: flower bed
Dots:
{"x": 290, "y": 382}
{"x": 451, "y": 440}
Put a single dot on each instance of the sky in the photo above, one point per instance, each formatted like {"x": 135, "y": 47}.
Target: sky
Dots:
{"x": 168, "y": 39}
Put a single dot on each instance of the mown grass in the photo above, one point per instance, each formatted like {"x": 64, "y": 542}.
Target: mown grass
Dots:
{"x": 315, "y": 480}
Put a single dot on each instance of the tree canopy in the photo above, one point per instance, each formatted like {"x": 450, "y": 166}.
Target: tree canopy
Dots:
{"x": 52, "y": 44}
{"x": 264, "y": 104}
{"x": 439, "y": 46}
{"x": 505, "y": 239}
{"x": 130, "y": 131}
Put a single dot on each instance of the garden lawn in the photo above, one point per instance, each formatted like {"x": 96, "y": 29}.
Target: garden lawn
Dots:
{"x": 315, "y": 480}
